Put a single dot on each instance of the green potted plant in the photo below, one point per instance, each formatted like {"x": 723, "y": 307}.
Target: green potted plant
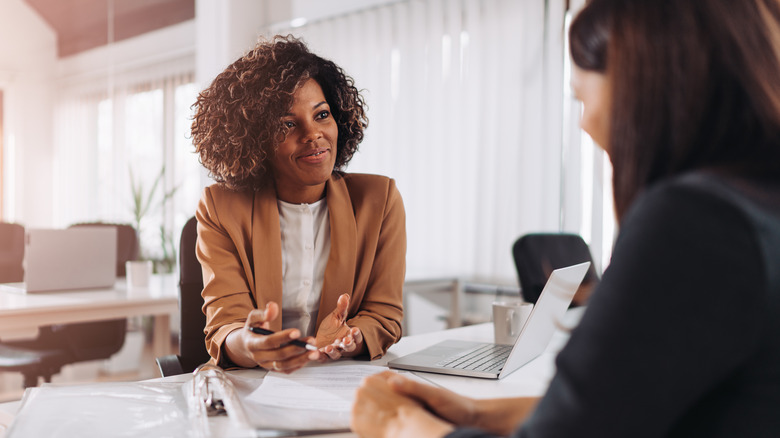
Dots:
{"x": 145, "y": 201}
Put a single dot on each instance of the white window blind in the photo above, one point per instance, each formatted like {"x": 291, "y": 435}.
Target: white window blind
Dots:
{"x": 466, "y": 106}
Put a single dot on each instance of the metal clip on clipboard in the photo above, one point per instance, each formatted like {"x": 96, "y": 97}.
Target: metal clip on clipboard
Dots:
{"x": 211, "y": 395}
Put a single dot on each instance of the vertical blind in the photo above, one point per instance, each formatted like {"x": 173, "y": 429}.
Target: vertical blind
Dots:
{"x": 466, "y": 107}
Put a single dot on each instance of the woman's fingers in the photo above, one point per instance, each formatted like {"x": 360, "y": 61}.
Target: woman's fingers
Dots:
{"x": 357, "y": 335}
{"x": 273, "y": 351}
{"x": 262, "y": 317}
{"x": 343, "y": 345}
{"x": 332, "y": 352}
{"x": 342, "y": 306}
{"x": 286, "y": 365}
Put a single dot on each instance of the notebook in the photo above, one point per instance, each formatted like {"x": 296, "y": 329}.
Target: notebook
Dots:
{"x": 68, "y": 259}
{"x": 496, "y": 361}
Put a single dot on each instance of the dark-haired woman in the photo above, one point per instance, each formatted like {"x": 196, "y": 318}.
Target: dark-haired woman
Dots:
{"x": 682, "y": 336}
{"x": 288, "y": 241}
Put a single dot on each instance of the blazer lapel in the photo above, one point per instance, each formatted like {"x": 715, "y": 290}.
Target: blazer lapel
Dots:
{"x": 340, "y": 270}
{"x": 267, "y": 252}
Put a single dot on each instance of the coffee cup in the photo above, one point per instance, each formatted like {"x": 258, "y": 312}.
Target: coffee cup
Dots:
{"x": 138, "y": 273}
{"x": 509, "y": 317}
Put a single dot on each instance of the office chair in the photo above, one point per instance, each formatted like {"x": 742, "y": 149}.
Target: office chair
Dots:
{"x": 63, "y": 344}
{"x": 15, "y": 359}
{"x": 536, "y": 255}
{"x": 192, "y": 339}
{"x": 11, "y": 252}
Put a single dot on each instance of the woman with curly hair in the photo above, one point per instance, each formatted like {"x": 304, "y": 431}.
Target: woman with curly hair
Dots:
{"x": 286, "y": 239}
{"x": 681, "y": 338}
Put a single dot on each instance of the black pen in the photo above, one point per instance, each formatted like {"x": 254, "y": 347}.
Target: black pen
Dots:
{"x": 298, "y": 342}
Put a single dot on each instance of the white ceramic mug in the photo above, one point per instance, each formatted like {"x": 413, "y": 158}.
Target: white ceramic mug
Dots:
{"x": 509, "y": 317}
{"x": 138, "y": 273}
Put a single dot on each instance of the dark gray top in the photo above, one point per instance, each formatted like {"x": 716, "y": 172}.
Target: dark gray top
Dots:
{"x": 682, "y": 336}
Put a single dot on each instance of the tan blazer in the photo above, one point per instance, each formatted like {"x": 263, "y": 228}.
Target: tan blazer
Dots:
{"x": 240, "y": 250}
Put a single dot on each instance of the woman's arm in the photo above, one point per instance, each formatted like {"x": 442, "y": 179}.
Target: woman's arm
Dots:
{"x": 226, "y": 292}
{"x": 368, "y": 256}
{"x": 381, "y": 305}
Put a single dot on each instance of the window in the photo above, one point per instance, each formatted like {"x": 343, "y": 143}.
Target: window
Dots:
{"x": 134, "y": 137}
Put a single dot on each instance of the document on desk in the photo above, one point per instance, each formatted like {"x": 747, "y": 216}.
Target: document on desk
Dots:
{"x": 314, "y": 398}
{"x": 330, "y": 388}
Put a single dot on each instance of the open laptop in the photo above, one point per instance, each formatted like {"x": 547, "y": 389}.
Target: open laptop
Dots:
{"x": 495, "y": 361}
{"x": 68, "y": 259}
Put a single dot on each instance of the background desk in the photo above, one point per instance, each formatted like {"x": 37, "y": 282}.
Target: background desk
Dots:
{"x": 452, "y": 301}
{"x": 21, "y": 314}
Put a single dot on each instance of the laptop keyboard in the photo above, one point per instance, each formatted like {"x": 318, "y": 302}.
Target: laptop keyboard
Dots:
{"x": 489, "y": 357}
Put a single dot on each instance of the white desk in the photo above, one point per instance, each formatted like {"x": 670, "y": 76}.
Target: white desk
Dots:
{"x": 530, "y": 380}
{"x": 21, "y": 314}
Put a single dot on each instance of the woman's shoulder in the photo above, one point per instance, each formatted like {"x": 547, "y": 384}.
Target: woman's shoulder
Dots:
{"x": 366, "y": 190}
{"x": 684, "y": 205}
{"x": 217, "y": 198}
{"x": 219, "y": 192}
{"x": 364, "y": 179}
{"x": 747, "y": 195}
{"x": 717, "y": 208}
{"x": 357, "y": 183}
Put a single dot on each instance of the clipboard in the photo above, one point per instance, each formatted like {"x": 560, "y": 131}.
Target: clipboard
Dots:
{"x": 216, "y": 393}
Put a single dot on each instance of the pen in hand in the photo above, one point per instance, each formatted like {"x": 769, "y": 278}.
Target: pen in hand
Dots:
{"x": 297, "y": 342}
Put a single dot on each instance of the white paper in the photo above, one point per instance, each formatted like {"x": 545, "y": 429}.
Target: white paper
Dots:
{"x": 322, "y": 388}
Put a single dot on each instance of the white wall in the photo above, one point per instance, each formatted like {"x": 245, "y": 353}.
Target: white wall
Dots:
{"x": 27, "y": 58}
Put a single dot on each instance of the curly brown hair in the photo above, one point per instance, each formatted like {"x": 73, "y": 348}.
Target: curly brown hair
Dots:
{"x": 237, "y": 121}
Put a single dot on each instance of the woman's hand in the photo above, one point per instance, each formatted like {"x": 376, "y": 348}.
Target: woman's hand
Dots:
{"x": 335, "y": 338}
{"x": 446, "y": 404}
{"x": 381, "y": 411}
{"x": 388, "y": 404}
{"x": 272, "y": 352}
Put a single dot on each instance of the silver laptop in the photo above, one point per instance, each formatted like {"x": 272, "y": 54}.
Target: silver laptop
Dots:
{"x": 495, "y": 361}
{"x": 68, "y": 259}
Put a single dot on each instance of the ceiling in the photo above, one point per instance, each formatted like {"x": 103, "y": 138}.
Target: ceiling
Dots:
{"x": 83, "y": 24}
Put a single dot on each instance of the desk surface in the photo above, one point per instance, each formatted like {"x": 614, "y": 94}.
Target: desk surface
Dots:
{"x": 22, "y": 313}
{"x": 530, "y": 380}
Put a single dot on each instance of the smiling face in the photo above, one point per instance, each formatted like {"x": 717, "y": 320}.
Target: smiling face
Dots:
{"x": 592, "y": 89}
{"x": 304, "y": 160}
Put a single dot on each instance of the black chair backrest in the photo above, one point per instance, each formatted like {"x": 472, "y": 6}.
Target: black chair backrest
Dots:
{"x": 192, "y": 339}
{"x": 11, "y": 252}
{"x": 536, "y": 255}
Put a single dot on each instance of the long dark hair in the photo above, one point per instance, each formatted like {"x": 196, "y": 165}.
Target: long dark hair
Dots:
{"x": 694, "y": 84}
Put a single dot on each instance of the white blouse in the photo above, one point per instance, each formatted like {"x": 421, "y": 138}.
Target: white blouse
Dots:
{"x": 305, "y": 250}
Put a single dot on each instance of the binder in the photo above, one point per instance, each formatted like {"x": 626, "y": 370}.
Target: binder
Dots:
{"x": 210, "y": 403}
